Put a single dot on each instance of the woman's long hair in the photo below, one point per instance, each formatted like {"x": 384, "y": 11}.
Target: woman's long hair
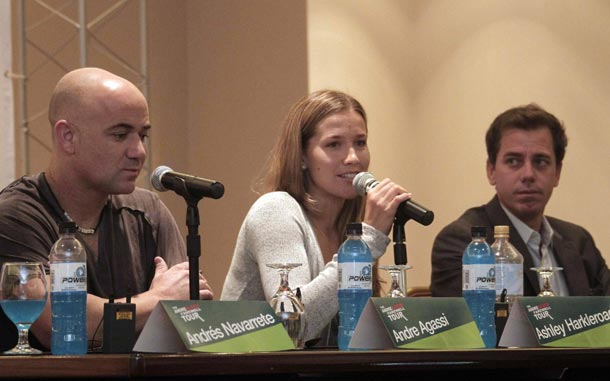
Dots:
{"x": 283, "y": 169}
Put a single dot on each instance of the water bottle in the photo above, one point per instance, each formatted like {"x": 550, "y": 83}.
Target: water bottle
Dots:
{"x": 479, "y": 285}
{"x": 68, "y": 293}
{"x": 509, "y": 266}
{"x": 355, "y": 282}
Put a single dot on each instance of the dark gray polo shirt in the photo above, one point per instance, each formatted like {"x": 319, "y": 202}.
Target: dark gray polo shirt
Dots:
{"x": 133, "y": 229}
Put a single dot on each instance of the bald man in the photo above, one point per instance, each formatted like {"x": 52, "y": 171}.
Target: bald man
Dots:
{"x": 99, "y": 124}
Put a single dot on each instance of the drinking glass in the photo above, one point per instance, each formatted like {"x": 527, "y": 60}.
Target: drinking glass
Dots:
{"x": 398, "y": 275}
{"x": 23, "y": 297}
{"x": 288, "y": 306}
{"x": 546, "y": 270}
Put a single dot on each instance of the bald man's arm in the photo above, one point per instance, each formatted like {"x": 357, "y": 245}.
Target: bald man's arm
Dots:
{"x": 167, "y": 284}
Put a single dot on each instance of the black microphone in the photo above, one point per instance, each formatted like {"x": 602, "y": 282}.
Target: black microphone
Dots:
{"x": 164, "y": 178}
{"x": 365, "y": 181}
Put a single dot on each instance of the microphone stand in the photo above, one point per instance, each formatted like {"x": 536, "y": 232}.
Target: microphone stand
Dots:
{"x": 193, "y": 240}
{"x": 398, "y": 234}
{"x": 397, "y": 271}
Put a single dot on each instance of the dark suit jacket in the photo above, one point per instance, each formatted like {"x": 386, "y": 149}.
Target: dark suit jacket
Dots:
{"x": 584, "y": 268}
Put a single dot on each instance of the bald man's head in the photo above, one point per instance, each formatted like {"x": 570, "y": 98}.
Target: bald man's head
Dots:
{"x": 79, "y": 91}
{"x": 100, "y": 123}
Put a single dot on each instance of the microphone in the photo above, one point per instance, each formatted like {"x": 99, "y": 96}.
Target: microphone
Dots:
{"x": 365, "y": 181}
{"x": 164, "y": 178}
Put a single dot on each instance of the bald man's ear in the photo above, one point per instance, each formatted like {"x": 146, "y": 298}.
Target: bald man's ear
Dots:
{"x": 65, "y": 136}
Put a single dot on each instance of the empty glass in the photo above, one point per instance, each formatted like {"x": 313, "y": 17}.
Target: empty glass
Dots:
{"x": 398, "y": 277}
{"x": 546, "y": 273}
{"x": 23, "y": 297}
{"x": 288, "y": 306}
{"x": 546, "y": 270}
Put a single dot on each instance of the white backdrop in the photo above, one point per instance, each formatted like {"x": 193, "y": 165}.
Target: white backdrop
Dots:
{"x": 7, "y": 130}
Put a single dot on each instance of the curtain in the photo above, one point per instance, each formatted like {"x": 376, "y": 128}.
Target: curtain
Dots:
{"x": 7, "y": 126}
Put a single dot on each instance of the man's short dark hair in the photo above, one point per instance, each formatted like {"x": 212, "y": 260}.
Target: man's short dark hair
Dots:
{"x": 529, "y": 117}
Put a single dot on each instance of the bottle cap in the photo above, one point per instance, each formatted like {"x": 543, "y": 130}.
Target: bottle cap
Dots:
{"x": 354, "y": 228}
{"x": 501, "y": 230}
{"x": 67, "y": 227}
{"x": 478, "y": 231}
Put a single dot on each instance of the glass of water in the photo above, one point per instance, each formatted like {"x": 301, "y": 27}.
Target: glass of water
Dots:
{"x": 23, "y": 296}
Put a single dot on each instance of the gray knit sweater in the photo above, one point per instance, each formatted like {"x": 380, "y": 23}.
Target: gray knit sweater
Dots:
{"x": 276, "y": 229}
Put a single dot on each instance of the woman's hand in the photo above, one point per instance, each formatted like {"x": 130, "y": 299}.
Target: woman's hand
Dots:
{"x": 382, "y": 203}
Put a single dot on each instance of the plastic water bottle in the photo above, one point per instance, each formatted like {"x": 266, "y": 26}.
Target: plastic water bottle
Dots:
{"x": 509, "y": 266}
{"x": 68, "y": 293}
{"x": 355, "y": 282}
{"x": 479, "y": 285}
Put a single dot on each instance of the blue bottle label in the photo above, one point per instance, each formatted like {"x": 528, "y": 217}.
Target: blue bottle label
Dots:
{"x": 355, "y": 275}
{"x": 479, "y": 277}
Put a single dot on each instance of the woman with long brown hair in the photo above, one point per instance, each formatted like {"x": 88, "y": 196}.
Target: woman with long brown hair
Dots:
{"x": 307, "y": 200}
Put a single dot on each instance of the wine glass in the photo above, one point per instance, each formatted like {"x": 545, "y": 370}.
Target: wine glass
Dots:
{"x": 23, "y": 297}
{"x": 398, "y": 276}
{"x": 545, "y": 271}
{"x": 288, "y": 306}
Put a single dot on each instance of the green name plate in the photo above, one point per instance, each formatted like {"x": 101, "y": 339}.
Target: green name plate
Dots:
{"x": 573, "y": 321}
{"x": 416, "y": 323}
{"x": 213, "y": 326}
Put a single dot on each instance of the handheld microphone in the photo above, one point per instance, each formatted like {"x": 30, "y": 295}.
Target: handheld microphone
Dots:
{"x": 365, "y": 181}
{"x": 164, "y": 178}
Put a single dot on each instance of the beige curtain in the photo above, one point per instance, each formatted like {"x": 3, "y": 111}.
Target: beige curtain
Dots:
{"x": 7, "y": 130}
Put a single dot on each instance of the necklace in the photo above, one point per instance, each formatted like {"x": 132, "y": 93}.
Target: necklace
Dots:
{"x": 86, "y": 231}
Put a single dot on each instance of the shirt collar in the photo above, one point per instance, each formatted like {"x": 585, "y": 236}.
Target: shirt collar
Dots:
{"x": 529, "y": 235}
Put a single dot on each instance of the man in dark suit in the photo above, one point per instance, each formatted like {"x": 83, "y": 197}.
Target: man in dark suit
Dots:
{"x": 525, "y": 148}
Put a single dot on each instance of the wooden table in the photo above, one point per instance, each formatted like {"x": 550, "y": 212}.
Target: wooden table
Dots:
{"x": 494, "y": 364}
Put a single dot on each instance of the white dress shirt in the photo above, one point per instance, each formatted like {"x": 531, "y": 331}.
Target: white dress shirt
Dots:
{"x": 540, "y": 246}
